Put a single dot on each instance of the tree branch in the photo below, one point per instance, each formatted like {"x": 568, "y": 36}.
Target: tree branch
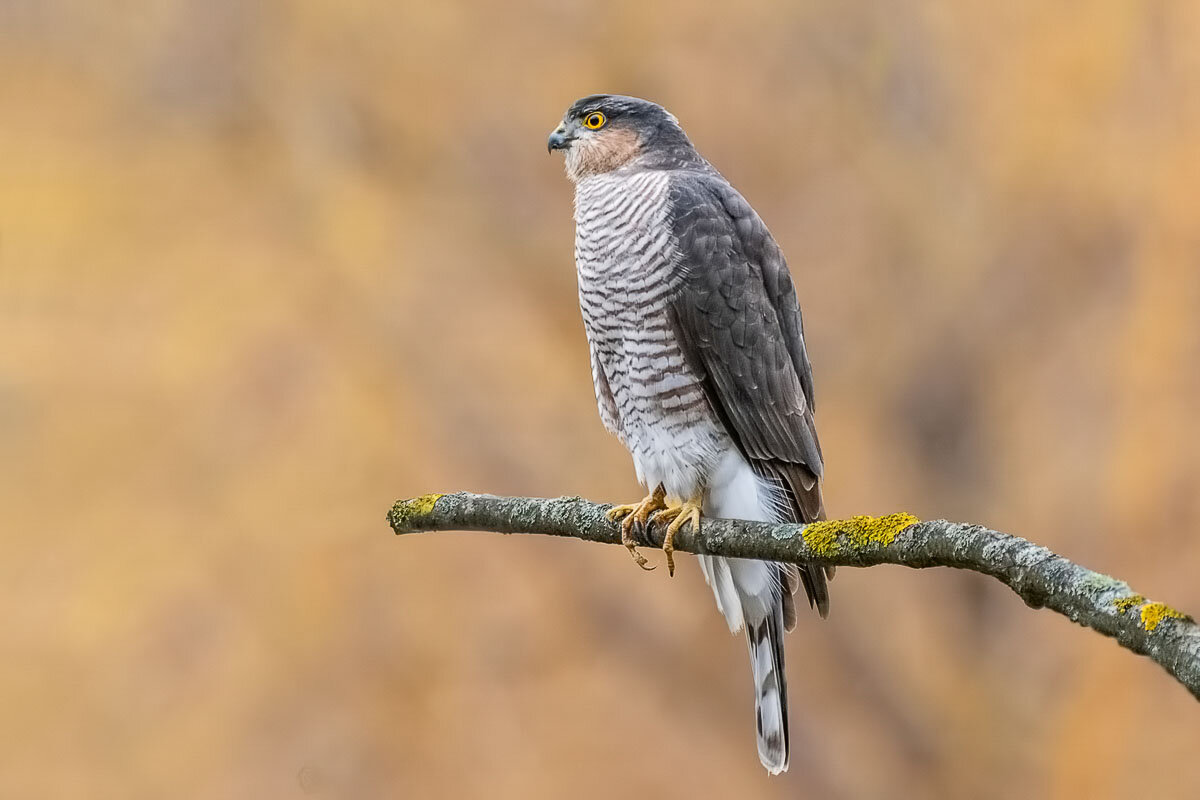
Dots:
{"x": 1040, "y": 577}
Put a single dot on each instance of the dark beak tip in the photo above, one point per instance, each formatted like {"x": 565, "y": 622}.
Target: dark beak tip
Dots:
{"x": 558, "y": 140}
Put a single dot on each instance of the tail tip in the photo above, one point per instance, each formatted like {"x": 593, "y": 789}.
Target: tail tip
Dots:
{"x": 773, "y": 755}
{"x": 772, "y": 740}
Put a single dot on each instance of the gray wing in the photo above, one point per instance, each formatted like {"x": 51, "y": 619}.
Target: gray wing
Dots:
{"x": 740, "y": 327}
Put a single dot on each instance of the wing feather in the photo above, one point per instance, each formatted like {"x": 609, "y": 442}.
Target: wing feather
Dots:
{"x": 740, "y": 327}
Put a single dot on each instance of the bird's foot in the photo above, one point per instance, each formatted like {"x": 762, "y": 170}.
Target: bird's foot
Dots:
{"x": 678, "y": 516}
{"x": 638, "y": 513}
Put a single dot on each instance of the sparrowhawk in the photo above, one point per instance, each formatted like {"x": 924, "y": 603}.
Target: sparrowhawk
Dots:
{"x": 699, "y": 364}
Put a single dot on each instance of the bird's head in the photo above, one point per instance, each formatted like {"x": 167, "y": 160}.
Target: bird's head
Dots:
{"x": 604, "y": 132}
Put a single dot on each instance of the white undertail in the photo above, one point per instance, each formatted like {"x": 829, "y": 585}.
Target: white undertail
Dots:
{"x": 750, "y": 595}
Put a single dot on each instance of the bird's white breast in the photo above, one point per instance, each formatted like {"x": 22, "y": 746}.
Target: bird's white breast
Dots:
{"x": 625, "y": 255}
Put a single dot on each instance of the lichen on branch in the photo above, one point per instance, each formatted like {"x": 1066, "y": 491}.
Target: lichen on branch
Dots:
{"x": 1040, "y": 577}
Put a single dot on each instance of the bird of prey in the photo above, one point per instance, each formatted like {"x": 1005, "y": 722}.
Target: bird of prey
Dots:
{"x": 699, "y": 365}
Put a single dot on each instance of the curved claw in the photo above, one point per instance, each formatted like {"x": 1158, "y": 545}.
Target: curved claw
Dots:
{"x": 637, "y": 514}
{"x": 628, "y": 540}
{"x": 679, "y": 516}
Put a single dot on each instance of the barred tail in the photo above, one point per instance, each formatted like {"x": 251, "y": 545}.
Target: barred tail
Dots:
{"x": 765, "y": 640}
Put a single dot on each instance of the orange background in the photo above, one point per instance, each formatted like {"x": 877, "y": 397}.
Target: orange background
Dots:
{"x": 265, "y": 267}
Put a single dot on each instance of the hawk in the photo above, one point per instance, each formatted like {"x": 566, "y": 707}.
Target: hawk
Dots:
{"x": 699, "y": 365}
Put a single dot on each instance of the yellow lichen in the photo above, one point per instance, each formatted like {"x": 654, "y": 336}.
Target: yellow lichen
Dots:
{"x": 1124, "y": 604}
{"x": 405, "y": 510}
{"x": 823, "y": 537}
{"x": 1154, "y": 613}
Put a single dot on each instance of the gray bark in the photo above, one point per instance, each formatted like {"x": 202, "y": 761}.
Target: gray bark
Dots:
{"x": 1041, "y": 578}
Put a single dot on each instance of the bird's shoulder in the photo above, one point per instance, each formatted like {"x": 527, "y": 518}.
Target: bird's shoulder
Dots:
{"x": 733, "y": 274}
{"x": 710, "y": 215}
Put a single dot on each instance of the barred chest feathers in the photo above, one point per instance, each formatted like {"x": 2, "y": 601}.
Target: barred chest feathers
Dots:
{"x": 647, "y": 394}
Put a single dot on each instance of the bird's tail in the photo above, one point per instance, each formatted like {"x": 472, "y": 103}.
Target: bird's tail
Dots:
{"x": 764, "y": 638}
{"x": 752, "y": 595}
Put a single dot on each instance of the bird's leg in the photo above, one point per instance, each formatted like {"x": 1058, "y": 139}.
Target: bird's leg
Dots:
{"x": 679, "y": 516}
{"x": 638, "y": 513}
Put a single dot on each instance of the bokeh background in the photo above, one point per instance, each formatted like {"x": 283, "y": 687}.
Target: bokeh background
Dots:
{"x": 267, "y": 266}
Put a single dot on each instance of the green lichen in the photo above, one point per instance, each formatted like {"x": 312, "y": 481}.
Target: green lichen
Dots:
{"x": 825, "y": 538}
{"x": 1104, "y": 583}
{"x": 404, "y": 510}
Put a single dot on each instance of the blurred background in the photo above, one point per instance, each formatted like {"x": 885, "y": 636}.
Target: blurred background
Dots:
{"x": 267, "y": 266}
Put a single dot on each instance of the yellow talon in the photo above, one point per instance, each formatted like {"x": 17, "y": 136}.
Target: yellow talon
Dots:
{"x": 637, "y": 513}
{"x": 680, "y": 516}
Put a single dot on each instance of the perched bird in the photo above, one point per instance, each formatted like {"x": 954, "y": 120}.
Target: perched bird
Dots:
{"x": 698, "y": 360}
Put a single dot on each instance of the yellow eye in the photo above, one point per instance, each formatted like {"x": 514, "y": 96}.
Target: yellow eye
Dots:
{"x": 594, "y": 120}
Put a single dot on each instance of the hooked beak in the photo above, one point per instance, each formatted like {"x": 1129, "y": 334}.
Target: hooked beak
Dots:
{"x": 559, "y": 140}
